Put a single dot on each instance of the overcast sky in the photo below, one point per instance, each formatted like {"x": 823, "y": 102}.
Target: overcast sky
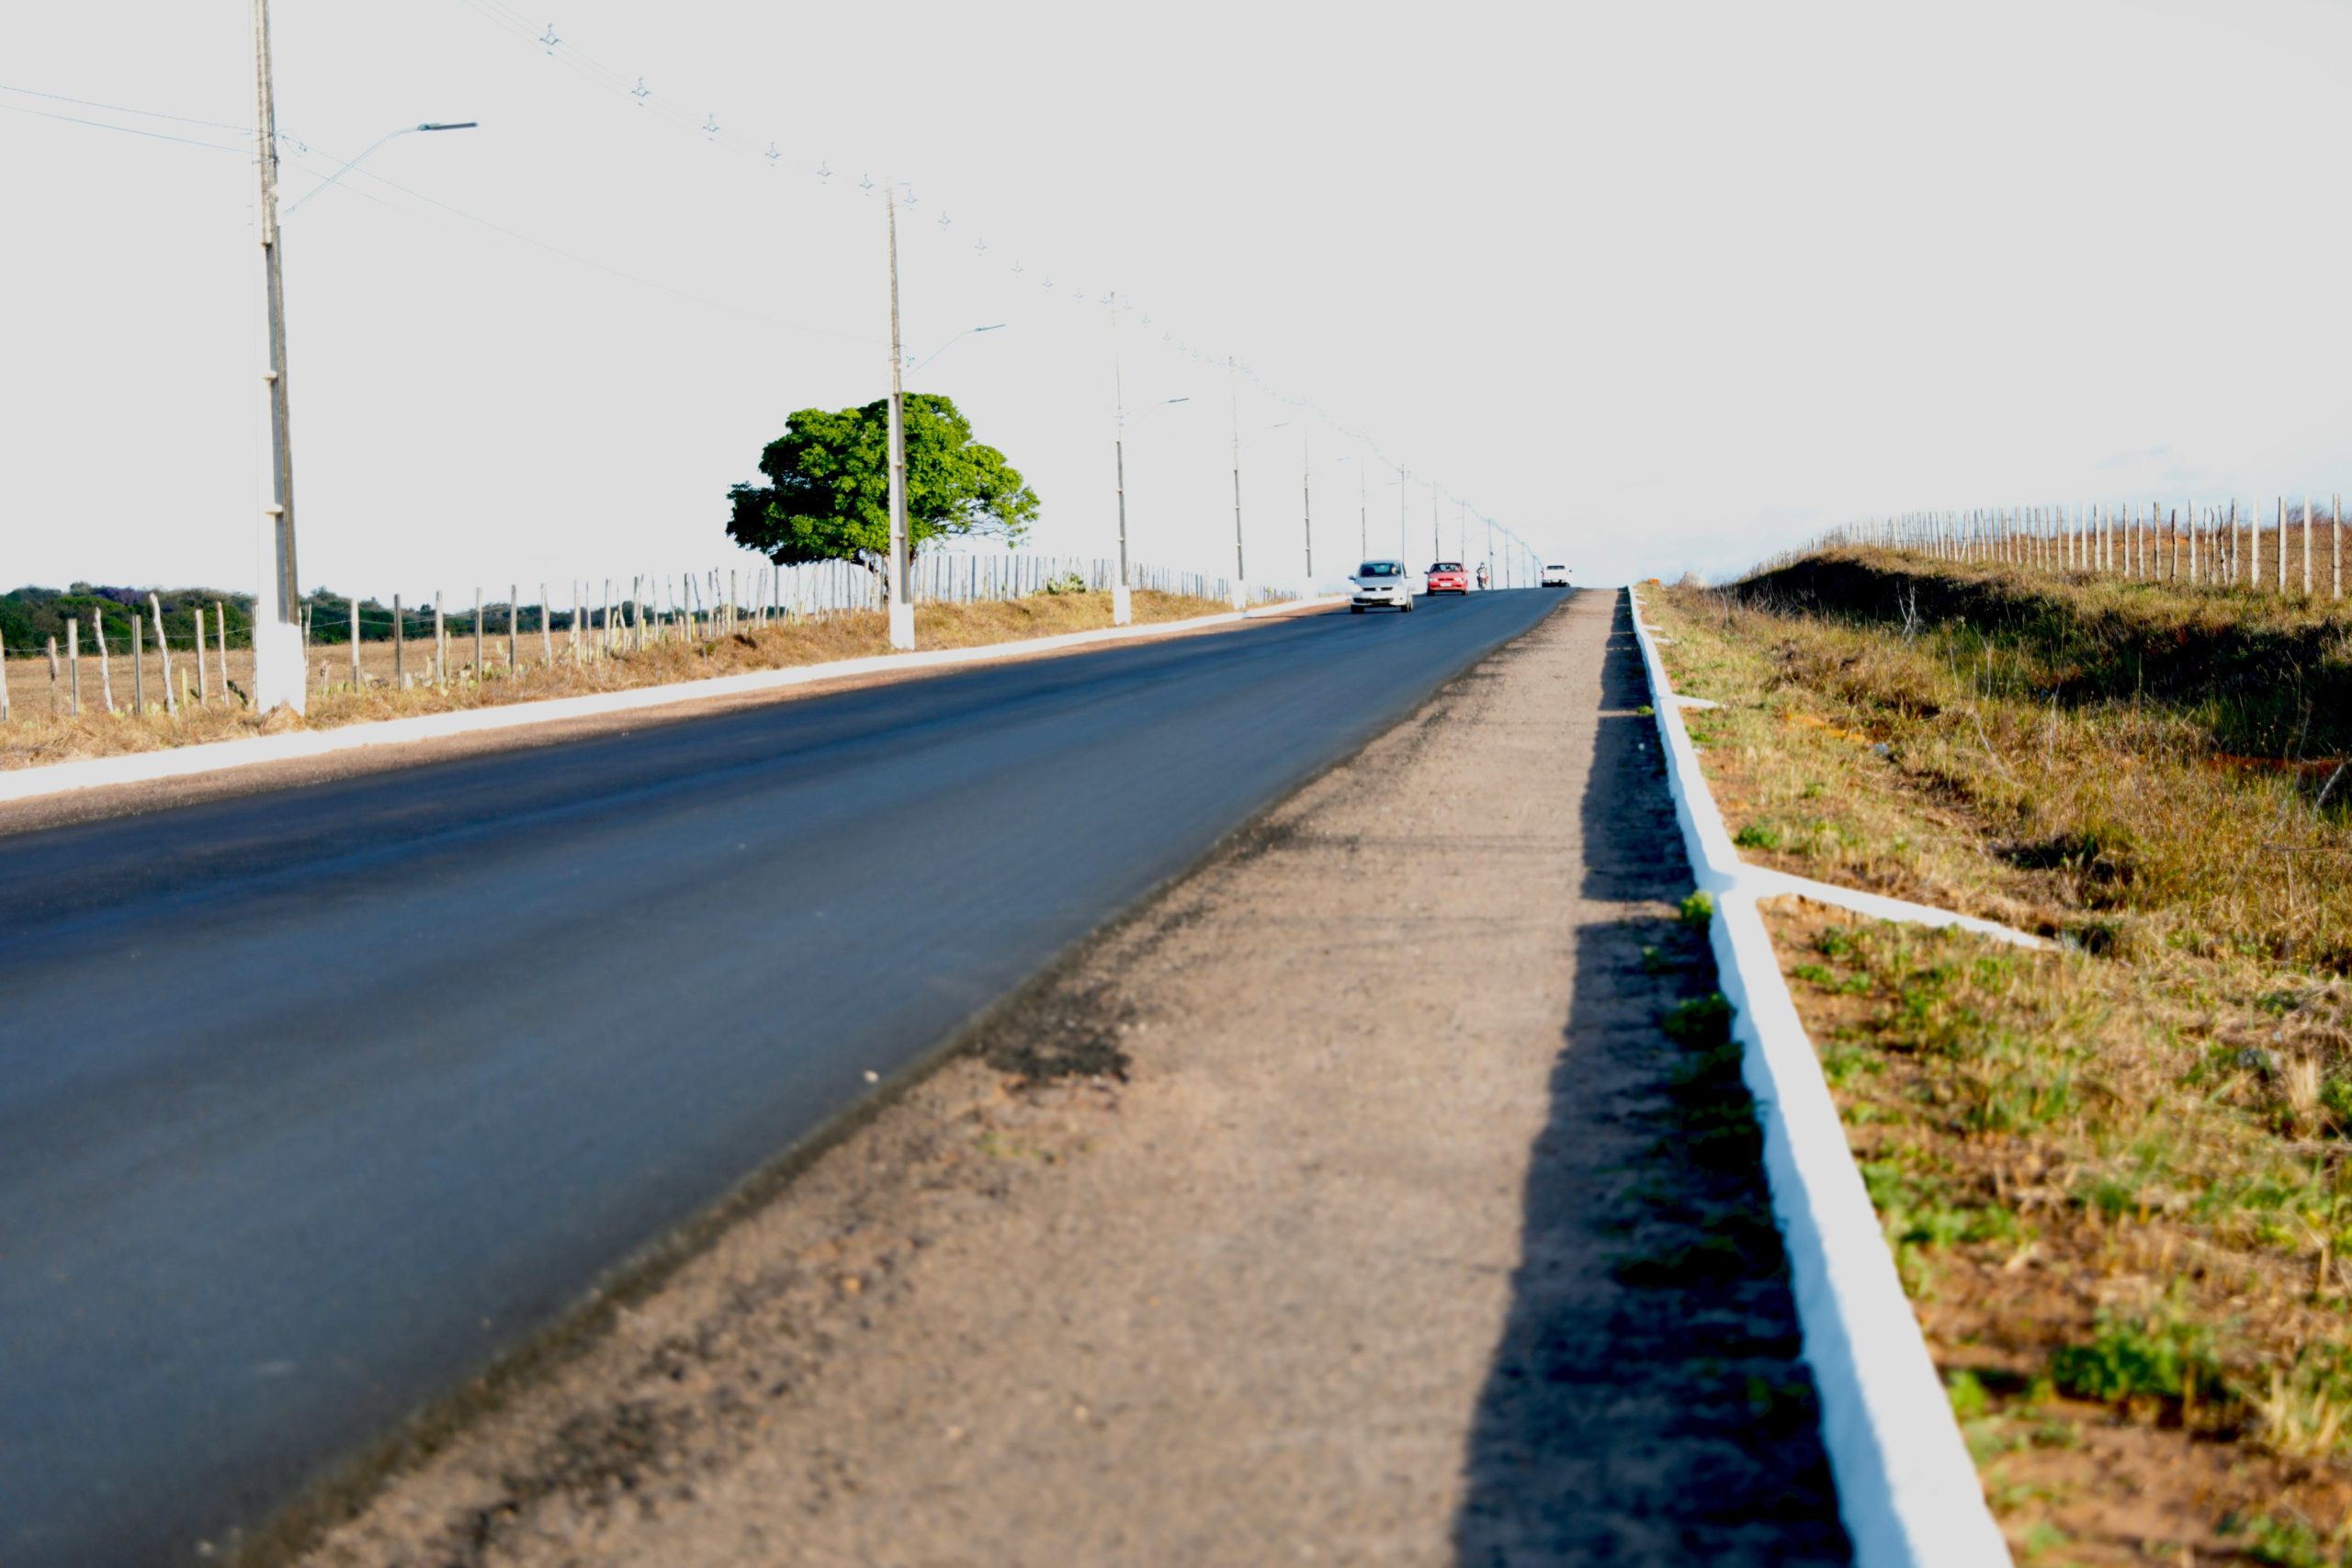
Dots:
{"x": 1662, "y": 286}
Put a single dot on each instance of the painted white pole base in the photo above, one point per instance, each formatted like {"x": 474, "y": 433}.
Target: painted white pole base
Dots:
{"x": 902, "y": 627}
{"x": 1123, "y": 606}
{"x": 1240, "y": 595}
{"x": 278, "y": 674}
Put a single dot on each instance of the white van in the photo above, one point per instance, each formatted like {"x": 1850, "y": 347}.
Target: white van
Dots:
{"x": 1556, "y": 575}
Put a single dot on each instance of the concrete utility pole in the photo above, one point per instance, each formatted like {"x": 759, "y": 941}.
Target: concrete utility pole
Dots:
{"x": 1404, "y": 518}
{"x": 902, "y": 613}
{"x": 1307, "y": 502}
{"x": 1437, "y": 545}
{"x": 1363, "y": 513}
{"x": 1240, "y": 569}
{"x": 1123, "y": 599}
{"x": 277, "y": 636}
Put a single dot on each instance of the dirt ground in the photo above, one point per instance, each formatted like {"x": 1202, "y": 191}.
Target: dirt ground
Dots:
{"x": 1346, "y": 1203}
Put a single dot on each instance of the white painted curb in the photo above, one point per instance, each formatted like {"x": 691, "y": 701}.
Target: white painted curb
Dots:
{"x": 179, "y": 761}
{"x": 1907, "y": 1487}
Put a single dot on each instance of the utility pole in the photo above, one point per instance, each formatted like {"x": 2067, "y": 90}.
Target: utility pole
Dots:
{"x": 902, "y": 613}
{"x": 1364, "y": 512}
{"x": 1491, "y": 551}
{"x": 1404, "y": 518}
{"x": 1307, "y": 502}
{"x": 1122, "y": 602}
{"x": 1240, "y": 571}
{"x": 1437, "y": 545}
{"x": 278, "y": 636}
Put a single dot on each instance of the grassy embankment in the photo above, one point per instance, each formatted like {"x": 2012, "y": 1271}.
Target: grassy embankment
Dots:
{"x": 2114, "y": 1175}
{"x": 44, "y": 731}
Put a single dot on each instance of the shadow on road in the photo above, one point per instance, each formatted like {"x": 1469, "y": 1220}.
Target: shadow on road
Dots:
{"x": 1647, "y": 1403}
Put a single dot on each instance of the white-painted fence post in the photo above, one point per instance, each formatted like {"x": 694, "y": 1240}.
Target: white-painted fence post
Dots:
{"x": 105, "y": 666}
{"x": 163, "y": 646}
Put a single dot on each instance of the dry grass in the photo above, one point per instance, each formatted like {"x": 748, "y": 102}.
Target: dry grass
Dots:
{"x": 2115, "y": 1175}
{"x": 44, "y": 731}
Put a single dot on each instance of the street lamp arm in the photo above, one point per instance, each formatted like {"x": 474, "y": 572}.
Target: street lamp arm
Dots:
{"x": 1156, "y": 408}
{"x": 951, "y": 343}
{"x": 370, "y": 152}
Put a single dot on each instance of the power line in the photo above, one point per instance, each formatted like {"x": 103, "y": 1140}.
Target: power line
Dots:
{"x": 303, "y": 150}
{"x": 125, "y": 130}
{"x": 632, "y": 86}
{"x": 638, "y": 279}
{"x": 121, "y": 109}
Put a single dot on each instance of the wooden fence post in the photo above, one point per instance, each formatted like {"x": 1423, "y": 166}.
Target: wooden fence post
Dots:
{"x": 106, "y": 665}
{"x": 478, "y": 643}
{"x": 203, "y": 679}
{"x": 2307, "y": 547}
{"x": 400, "y": 649}
{"x": 162, "y": 649}
{"x": 73, "y": 666}
{"x": 2282, "y": 547}
{"x": 138, "y": 667}
{"x": 4, "y": 680}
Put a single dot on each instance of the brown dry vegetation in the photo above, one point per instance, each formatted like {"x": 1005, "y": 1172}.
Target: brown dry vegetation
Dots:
{"x": 45, "y": 730}
{"x": 2114, "y": 1175}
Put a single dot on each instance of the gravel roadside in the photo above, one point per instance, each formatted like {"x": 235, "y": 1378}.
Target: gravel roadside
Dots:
{"x": 1342, "y": 1204}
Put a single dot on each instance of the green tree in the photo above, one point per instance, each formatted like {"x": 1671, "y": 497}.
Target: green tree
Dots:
{"x": 828, "y": 495}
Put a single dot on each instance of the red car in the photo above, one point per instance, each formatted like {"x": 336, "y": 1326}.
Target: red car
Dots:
{"x": 1448, "y": 576}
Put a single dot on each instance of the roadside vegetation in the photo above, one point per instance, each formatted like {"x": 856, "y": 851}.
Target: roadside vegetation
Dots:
{"x": 43, "y": 729}
{"x": 2114, "y": 1174}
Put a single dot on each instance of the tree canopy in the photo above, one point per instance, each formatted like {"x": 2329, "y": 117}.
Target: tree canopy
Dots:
{"x": 828, "y": 495}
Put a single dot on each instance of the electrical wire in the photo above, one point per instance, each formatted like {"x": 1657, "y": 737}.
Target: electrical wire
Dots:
{"x": 703, "y": 300}
{"x": 119, "y": 109}
{"x": 301, "y": 149}
{"x": 126, "y": 130}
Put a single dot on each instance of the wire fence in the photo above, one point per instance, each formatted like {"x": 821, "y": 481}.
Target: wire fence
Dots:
{"x": 112, "y": 650}
{"x": 2218, "y": 544}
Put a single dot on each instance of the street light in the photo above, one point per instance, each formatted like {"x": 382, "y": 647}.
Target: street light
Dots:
{"x": 1122, "y": 598}
{"x": 403, "y": 131}
{"x": 1240, "y": 564}
{"x": 277, "y": 639}
{"x": 951, "y": 343}
{"x": 1363, "y": 508}
{"x": 902, "y": 611}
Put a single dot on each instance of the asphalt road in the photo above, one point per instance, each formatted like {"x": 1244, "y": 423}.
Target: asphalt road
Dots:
{"x": 314, "y": 1102}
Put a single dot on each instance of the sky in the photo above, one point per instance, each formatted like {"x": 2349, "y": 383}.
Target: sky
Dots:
{"x": 1657, "y": 288}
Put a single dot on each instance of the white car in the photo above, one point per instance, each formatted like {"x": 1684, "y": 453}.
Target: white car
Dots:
{"x": 1382, "y": 584}
{"x": 1556, "y": 575}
